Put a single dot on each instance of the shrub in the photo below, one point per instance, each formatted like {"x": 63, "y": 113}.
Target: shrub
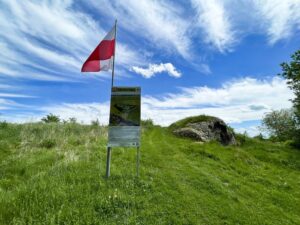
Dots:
{"x": 51, "y": 119}
{"x": 95, "y": 123}
{"x": 259, "y": 137}
{"x": 3, "y": 124}
{"x": 241, "y": 138}
{"x": 280, "y": 124}
{"x": 72, "y": 120}
{"x": 147, "y": 123}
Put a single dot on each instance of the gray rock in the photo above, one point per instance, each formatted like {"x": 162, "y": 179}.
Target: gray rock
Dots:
{"x": 205, "y": 131}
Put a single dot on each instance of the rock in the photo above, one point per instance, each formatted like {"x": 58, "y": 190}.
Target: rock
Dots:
{"x": 209, "y": 130}
{"x": 190, "y": 133}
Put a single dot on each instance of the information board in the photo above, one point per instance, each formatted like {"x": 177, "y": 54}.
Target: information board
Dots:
{"x": 125, "y": 117}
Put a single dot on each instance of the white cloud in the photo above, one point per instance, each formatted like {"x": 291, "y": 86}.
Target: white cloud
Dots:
{"x": 249, "y": 130}
{"x": 279, "y": 18}
{"x": 8, "y": 104}
{"x": 50, "y": 36}
{"x": 214, "y": 20}
{"x": 83, "y": 112}
{"x": 10, "y": 95}
{"x": 225, "y": 23}
{"x": 239, "y": 101}
{"x": 160, "y": 22}
{"x": 5, "y": 86}
{"x": 153, "y": 69}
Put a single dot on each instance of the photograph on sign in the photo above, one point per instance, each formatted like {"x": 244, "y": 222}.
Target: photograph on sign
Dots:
{"x": 125, "y": 108}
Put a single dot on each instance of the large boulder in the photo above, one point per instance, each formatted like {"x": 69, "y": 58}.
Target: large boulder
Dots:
{"x": 204, "y": 128}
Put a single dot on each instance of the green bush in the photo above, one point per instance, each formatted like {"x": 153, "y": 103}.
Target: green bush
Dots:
{"x": 51, "y": 119}
{"x": 95, "y": 123}
{"x": 280, "y": 124}
{"x": 3, "y": 124}
{"x": 241, "y": 138}
{"x": 147, "y": 123}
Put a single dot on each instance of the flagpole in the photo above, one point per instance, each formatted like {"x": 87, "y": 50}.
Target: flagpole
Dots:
{"x": 113, "y": 69}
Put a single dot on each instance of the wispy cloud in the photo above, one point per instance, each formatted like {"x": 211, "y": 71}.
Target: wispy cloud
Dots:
{"x": 10, "y": 95}
{"x": 6, "y": 104}
{"x": 153, "y": 69}
{"x": 52, "y": 34}
{"x": 160, "y": 22}
{"x": 213, "y": 19}
{"x": 279, "y": 18}
{"x": 225, "y": 23}
{"x": 238, "y": 101}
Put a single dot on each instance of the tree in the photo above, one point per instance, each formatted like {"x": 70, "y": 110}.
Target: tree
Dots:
{"x": 291, "y": 72}
{"x": 72, "y": 120}
{"x": 280, "y": 124}
{"x": 95, "y": 123}
{"x": 51, "y": 119}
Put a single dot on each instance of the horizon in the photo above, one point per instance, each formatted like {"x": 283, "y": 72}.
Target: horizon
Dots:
{"x": 219, "y": 58}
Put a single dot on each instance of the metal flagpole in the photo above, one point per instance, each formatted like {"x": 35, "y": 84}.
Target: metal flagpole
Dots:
{"x": 113, "y": 69}
{"x": 108, "y": 157}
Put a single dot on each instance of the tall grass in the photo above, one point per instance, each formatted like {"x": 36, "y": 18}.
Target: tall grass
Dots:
{"x": 54, "y": 174}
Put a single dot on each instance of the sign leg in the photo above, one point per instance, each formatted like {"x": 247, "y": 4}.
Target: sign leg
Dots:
{"x": 138, "y": 161}
{"x": 108, "y": 162}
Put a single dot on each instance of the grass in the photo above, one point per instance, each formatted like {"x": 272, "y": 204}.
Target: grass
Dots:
{"x": 193, "y": 119}
{"x": 54, "y": 174}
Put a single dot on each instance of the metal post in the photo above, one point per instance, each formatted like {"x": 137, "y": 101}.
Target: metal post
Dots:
{"x": 108, "y": 162}
{"x": 113, "y": 69}
{"x": 138, "y": 161}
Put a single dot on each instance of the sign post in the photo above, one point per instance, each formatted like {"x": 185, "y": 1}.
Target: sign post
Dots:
{"x": 124, "y": 121}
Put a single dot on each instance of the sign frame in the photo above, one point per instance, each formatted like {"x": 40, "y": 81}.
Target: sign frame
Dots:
{"x": 124, "y": 128}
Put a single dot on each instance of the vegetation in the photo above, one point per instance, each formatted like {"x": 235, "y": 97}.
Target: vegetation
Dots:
{"x": 51, "y": 119}
{"x": 192, "y": 119}
{"x": 291, "y": 72}
{"x": 53, "y": 173}
{"x": 280, "y": 124}
{"x": 147, "y": 123}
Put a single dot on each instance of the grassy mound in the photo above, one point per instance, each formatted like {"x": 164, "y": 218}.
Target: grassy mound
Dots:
{"x": 54, "y": 174}
{"x": 193, "y": 119}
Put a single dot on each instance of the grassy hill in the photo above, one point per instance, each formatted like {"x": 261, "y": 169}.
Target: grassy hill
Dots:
{"x": 54, "y": 174}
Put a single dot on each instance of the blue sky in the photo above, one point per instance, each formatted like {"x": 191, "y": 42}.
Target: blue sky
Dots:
{"x": 218, "y": 57}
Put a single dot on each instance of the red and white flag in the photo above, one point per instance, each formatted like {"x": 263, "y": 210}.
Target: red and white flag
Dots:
{"x": 102, "y": 57}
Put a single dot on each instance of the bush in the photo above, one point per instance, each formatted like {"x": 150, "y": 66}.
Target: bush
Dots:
{"x": 51, "y": 119}
{"x": 147, "y": 123}
{"x": 259, "y": 137}
{"x": 3, "y": 124}
{"x": 241, "y": 138}
{"x": 95, "y": 123}
{"x": 72, "y": 120}
{"x": 280, "y": 124}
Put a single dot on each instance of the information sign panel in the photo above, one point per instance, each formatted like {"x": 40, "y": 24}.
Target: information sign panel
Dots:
{"x": 125, "y": 117}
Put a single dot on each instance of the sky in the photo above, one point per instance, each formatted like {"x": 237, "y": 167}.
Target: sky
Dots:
{"x": 190, "y": 57}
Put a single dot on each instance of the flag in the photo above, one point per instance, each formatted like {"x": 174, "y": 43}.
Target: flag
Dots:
{"x": 102, "y": 57}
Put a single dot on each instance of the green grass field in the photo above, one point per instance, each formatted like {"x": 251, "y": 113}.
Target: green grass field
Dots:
{"x": 54, "y": 174}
